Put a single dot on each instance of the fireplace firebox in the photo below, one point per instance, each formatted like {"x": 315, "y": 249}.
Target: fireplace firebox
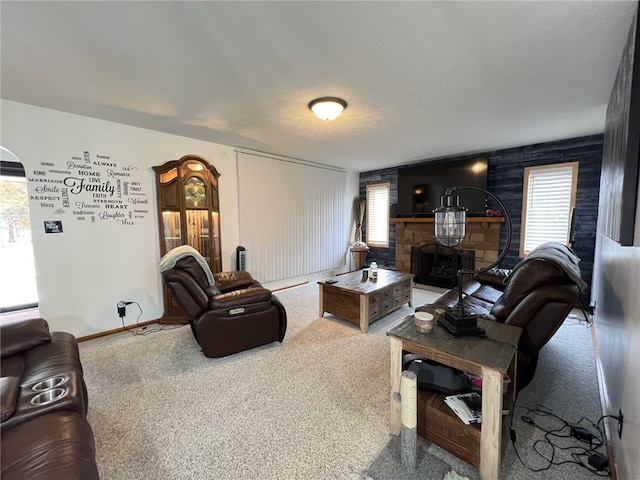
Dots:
{"x": 437, "y": 265}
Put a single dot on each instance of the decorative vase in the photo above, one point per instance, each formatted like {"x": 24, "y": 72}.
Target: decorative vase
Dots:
{"x": 357, "y": 241}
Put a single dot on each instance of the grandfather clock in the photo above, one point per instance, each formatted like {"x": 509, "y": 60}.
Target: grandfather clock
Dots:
{"x": 188, "y": 214}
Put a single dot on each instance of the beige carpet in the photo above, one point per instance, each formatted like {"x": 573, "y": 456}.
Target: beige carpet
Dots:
{"x": 314, "y": 407}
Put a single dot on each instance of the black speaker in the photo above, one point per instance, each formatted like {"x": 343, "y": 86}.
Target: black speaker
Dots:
{"x": 393, "y": 210}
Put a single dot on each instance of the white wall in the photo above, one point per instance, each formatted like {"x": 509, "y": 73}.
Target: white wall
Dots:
{"x": 83, "y": 271}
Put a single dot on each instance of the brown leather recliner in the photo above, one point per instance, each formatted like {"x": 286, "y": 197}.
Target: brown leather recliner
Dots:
{"x": 536, "y": 295}
{"x": 232, "y": 315}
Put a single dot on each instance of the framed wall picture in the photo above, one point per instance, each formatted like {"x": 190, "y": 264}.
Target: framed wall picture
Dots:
{"x": 52, "y": 226}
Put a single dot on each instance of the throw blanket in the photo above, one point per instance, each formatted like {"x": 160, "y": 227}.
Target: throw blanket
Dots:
{"x": 559, "y": 254}
{"x": 172, "y": 256}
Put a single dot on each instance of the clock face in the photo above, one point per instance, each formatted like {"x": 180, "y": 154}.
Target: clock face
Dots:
{"x": 195, "y": 192}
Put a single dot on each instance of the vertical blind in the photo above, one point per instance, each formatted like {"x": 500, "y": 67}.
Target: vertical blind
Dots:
{"x": 548, "y": 198}
{"x": 292, "y": 216}
{"x": 378, "y": 215}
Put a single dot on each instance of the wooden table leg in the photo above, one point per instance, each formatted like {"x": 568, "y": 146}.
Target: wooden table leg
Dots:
{"x": 491, "y": 434}
{"x": 396, "y": 374}
{"x": 409, "y": 420}
{"x": 410, "y": 293}
{"x": 321, "y": 300}
{"x": 364, "y": 313}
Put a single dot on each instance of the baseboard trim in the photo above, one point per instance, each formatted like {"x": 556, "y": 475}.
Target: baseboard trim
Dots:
{"x": 116, "y": 330}
{"x": 608, "y": 434}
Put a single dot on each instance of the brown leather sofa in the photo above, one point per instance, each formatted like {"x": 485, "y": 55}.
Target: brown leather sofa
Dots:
{"x": 536, "y": 295}
{"x": 234, "y": 314}
{"x": 44, "y": 429}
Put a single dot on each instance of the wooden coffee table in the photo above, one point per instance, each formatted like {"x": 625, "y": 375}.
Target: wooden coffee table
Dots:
{"x": 365, "y": 301}
{"x": 491, "y": 358}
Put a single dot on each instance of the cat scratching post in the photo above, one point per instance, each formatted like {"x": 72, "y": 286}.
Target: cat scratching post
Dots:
{"x": 409, "y": 415}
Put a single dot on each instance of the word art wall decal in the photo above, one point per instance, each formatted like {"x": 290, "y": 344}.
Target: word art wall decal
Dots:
{"x": 90, "y": 188}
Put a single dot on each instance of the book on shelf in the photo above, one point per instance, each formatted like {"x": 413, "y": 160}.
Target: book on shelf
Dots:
{"x": 468, "y": 407}
{"x": 464, "y": 406}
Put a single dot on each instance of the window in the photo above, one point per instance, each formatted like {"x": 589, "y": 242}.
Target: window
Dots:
{"x": 18, "y": 290}
{"x": 378, "y": 215}
{"x": 548, "y": 198}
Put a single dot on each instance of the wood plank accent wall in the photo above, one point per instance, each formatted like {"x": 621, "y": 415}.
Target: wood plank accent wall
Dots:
{"x": 384, "y": 256}
{"x": 505, "y": 179}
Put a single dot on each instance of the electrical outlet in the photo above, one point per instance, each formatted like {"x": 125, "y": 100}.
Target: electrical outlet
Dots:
{"x": 620, "y": 417}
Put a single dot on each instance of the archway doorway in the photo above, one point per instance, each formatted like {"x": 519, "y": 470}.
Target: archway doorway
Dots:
{"x": 18, "y": 289}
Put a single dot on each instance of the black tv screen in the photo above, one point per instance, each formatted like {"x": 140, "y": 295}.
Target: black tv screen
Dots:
{"x": 420, "y": 187}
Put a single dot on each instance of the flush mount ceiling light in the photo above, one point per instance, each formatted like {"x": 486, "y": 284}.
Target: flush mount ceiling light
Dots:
{"x": 327, "y": 108}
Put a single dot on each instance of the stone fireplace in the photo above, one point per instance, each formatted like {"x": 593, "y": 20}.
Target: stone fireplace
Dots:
{"x": 483, "y": 237}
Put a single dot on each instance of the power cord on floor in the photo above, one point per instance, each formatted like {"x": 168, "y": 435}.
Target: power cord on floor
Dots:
{"x": 583, "y": 432}
{"x": 585, "y": 313}
{"x": 576, "y": 319}
{"x": 138, "y": 330}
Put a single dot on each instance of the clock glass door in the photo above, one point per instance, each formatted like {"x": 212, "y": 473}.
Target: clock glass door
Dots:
{"x": 172, "y": 230}
{"x": 198, "y": 231}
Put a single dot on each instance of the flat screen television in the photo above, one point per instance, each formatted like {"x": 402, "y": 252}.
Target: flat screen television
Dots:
{"x": 421, "y": 186}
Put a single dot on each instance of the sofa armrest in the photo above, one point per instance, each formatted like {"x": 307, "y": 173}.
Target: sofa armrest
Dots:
{"x": 227, "y": 281}
{"x": 9, "y": 390}
{"x": 238, "y": 298}
{"x": 496, "y": 277}
{"x": 19, "y": 335}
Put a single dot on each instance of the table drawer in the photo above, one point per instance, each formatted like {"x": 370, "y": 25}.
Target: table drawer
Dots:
{"x": 401, "y": 288}
{"x": 386, "y": 305}
{"x": 401, "y": 299}
{"x": 374, "y": 300}
{"x": 386, "y": 294}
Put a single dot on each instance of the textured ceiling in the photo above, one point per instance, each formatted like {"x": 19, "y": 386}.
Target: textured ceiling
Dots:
{"x": 422, "y": 79}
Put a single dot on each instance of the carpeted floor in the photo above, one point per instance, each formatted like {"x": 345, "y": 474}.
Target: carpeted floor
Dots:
{"x": 314, "y": 407}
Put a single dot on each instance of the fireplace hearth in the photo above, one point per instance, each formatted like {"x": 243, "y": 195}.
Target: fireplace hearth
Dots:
{"x": 437, "y": 265}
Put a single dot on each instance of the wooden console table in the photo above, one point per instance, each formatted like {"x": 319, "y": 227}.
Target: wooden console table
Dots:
{"x": 359, "y": 253}
{"x": 491, "y": 357}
